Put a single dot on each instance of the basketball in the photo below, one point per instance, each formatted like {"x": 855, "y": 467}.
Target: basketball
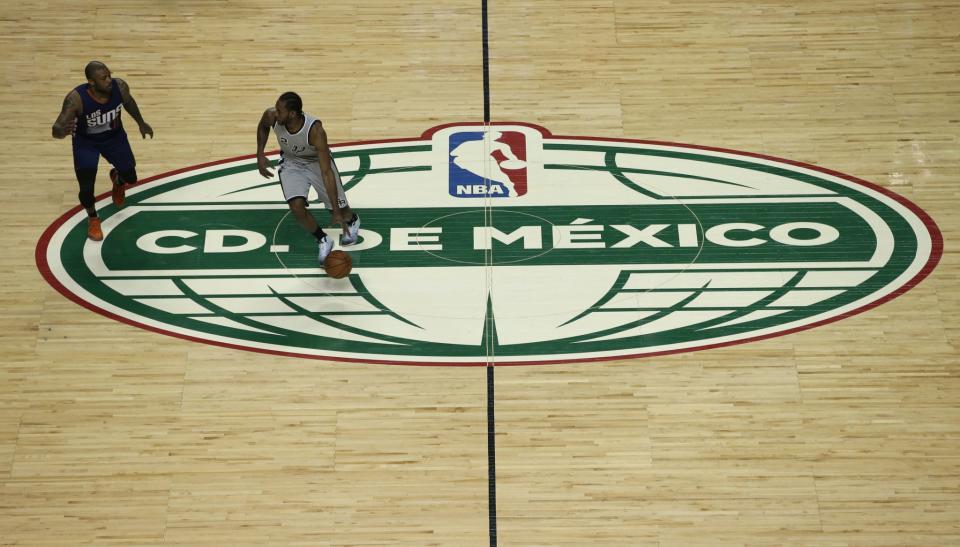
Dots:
{"x": 338, "y": 264}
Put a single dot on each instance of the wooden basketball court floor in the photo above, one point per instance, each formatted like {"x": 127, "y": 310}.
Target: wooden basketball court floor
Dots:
{"x": 845, "y": 434}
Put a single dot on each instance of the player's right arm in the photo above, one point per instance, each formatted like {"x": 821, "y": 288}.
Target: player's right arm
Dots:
{"x": 263, "y": 133}
{"x": 67, "y": 120}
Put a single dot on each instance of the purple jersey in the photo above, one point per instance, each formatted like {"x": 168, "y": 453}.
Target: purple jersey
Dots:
{"x": 99, "y": 120}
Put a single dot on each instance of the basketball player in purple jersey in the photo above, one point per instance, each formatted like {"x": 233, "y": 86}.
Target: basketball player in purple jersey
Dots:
{"x": 91, "y": 114}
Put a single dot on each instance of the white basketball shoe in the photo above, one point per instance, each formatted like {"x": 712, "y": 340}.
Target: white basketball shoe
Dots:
{"x": 326, "y": 245}
{"x": 353, "y": 229}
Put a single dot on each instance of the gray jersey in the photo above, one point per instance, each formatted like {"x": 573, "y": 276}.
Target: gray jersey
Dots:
{"x": 296, "y": 148}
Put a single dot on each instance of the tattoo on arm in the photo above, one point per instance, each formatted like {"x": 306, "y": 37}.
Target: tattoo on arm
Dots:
{"x": 69, "y": 112}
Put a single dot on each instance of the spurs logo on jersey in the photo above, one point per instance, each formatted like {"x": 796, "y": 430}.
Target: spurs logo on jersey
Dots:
{"x": 100, "y": 121}
{"x": 293, "y": 148}
{"x": 296, "y": 147}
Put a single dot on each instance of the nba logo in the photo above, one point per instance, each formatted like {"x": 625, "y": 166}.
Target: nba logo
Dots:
{"x": 495, "y": 166}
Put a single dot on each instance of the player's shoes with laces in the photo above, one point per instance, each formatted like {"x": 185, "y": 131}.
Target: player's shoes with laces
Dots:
{"x": 93, "y": 229}
{"x": 353, "y": 228}
{"x": 326, "y": 245}
{"x": 117, "y": 192}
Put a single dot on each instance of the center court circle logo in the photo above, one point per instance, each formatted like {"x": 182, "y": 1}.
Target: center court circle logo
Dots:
{"x": 500, "y": 243}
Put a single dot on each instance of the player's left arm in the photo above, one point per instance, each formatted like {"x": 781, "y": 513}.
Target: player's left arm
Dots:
{"x": 318, "y": 138}
{"x": 130, "y": 104}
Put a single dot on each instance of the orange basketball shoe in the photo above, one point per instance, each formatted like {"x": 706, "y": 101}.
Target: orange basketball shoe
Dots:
{"x": 117, "y": 191}
{"x": 93, "y": 229}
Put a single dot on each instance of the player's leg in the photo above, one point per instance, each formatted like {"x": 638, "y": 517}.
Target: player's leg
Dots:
{"x": 295, "y": 183}
{"x": 298, "y": 207}
{"x": 85, "y": 160}
{"x": 86, "y": 178}
{"x": 353, "y": 222}
{"x": 117, "y": 151}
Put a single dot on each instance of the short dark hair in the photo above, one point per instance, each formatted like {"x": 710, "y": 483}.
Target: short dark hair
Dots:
{"x": 92, "y": 67}
{"x": 292, "y": 101}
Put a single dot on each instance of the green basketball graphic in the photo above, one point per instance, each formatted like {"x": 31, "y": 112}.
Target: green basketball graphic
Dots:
{"x": 502, "y": 244}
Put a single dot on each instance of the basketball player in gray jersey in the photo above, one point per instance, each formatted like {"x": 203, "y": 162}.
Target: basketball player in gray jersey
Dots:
{"x": 305, "y": 161}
